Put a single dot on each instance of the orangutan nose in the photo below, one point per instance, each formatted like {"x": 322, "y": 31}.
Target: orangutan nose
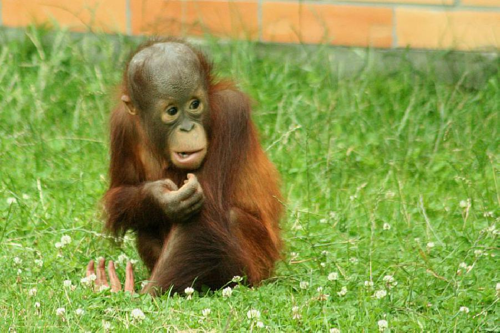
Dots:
{"x": 186, "y": 126}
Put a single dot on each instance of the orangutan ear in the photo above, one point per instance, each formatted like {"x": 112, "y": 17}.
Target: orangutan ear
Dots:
{"x": 130, "y": 106}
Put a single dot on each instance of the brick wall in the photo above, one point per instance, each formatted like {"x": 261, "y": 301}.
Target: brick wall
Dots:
{"x": 428, "y": 24}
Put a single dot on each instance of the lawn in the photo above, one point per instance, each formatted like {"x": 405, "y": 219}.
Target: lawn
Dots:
{"x": 391, "y": 181}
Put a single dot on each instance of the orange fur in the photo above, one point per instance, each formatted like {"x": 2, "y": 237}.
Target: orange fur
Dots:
{"x": 237, "y": 231}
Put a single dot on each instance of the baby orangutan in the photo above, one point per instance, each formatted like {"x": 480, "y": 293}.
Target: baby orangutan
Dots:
{"x": 189, "y": 176}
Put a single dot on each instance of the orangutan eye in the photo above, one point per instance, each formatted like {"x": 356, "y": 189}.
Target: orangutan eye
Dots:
{"x": 172, "y": 111}
{"x": 194, "y": 104}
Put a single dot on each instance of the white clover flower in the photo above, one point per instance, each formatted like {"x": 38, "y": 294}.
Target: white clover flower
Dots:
{"x": 11, "y": 201}
{"x": 58, "y": 245}
{"x": 490, "y": 230}
{"x": 465, "y": 203}
{"x": 464, "y": 265}
{"x": 294, "y": 255}
{"x": 67, "y": 283}
{"x": 18, "y": 261}
{"x": 227, "y": 292}
{"x": 79, "y": 312}
{"x": 133, "y": 261}
{"x": 478, "y": 253}
{"x": 323, "y": 264}
{"x": 386, "y": 226}
{"x": 488, "y": 214}
{"x": 334, "y": 330}
{"x": 388, "y": 279}
{"x": 368, "y": 284}
{"x": 65, "y": 240}
{"x": 206, "y": 312}
{"x": 25, "y": 196}
{"x": 237, "y": 279}
{"x": 464, "y": 309}
{"x": 39, "y": 262}
{"x": 106, "y": 325}
{"x": 382, "y": 325}
{"x": 324, "y": 253}
{"x": 333, "y": 276}
{"x": 430, "y": 245}
{"x": 333, "y": 215}
{"x": 353, "y": 197}
{"x": 342, "y": 291}
{"x": 380, "y": 294}
{"x": 128, "y": 238}
{"x": 304, "y": 284}
{"x": 296, "y": 312}
{"x": 137, "y": 314}
{"x": 92, "y": 277}
{"x": 32, "y": 292}
{"x": 323, "y": 221}
{"x": 189, "y": 292}
{"x": 319, "y": 290}
{"x": 260, "y": 324}
{"x": 85, "y": 281}
{"x": 37, "y": 305}
{"x": 253, "y": 314}
{"x": 122, "y": 258}
{"x": 60, "y": 312}
{"x": 103, "y": 288}
{"x": 19, "y": 271}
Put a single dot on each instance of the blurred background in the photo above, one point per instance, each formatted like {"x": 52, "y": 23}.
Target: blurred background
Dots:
{"x": 420, "y": 24}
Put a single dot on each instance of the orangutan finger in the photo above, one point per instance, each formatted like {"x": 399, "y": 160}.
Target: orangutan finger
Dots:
{"x": 189, "y": 188}
{"x": 195, "y": 208}
{"x": 116, "y": 285}
{"x": 101, "y": 274}
{"x": 90, "y": 269}
{"x": 191, "y": 201}
{"x": 129, "y": 278}
{"x": 170, "y": 185}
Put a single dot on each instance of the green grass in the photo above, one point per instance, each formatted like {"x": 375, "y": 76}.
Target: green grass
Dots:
{"x": 400, "y": 148}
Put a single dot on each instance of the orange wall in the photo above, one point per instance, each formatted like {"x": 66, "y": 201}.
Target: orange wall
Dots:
{"x": 434, "y": 24}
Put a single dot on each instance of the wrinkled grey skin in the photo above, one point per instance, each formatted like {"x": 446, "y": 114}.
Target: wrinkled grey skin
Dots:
{"x": 163, "y": 70}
